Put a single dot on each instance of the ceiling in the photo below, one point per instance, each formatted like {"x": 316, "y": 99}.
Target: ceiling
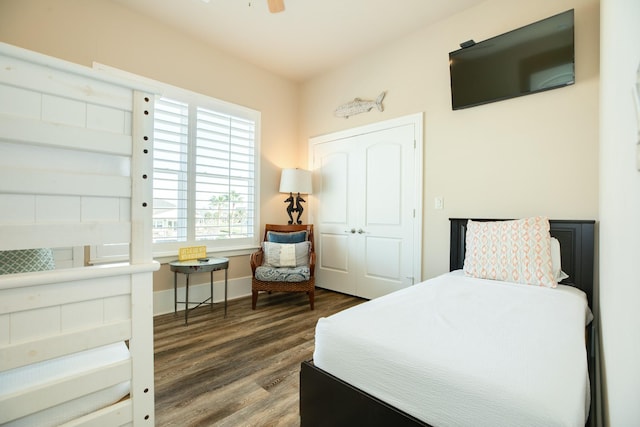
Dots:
{"x": 309, "y": 37}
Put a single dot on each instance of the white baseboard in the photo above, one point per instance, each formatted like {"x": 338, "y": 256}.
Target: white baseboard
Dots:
{"x": 236, "y": 288}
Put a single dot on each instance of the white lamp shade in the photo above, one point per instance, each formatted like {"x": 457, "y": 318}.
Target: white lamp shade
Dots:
{"x": 295, "y": 181}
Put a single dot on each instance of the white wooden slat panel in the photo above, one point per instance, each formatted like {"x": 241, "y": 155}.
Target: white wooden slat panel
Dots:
{"x": 25, "y": 353}
{"x": 108, "y": 119}
{"x": 50, "y": 235}
{"x": 34, "y": 324}
{"x": 95, "y": 312}
{"x": 46, "y": 79}
{"x": 117, "y": 308}
{"x": 28, "y": 401}
{"x": 17, "y": 208}
{"x": 79, "y": 315}
{"x": 70, "y": 112}
{"x": 141, "y": 347}
{"x": 53, "y": 294}
{"x": 21, "y": 181}
{"x": 5, "y": 329}
{"x": 58, "y": 208}
{"x": 142, "y": 179}
{"x": 44, "y": 158}
{"x": 74, "y": 275}
{"x": 141, "y": 343}
{"x": 128, "y": 123}
{"x": 37, "y": 399}
{"x": 20, "y": 102}
{"x": 119, "y": 414}
{"x": 125, "y": 209}
{"x": 101, "y": 209}
{"x": 27, "y": 130}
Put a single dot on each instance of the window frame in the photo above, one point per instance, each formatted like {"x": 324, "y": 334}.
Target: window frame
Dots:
{"x": 164, "y": 252}
{"x": 195, "y": 101}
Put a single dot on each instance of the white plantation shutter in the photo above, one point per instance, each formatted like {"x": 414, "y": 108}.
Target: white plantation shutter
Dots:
{"x": 170, "y": 170}
{"x": 224, "y": 192}
{"x": 204, "y": 175}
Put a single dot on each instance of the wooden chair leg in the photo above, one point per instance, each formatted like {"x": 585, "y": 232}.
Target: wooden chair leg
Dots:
{"x": 254, "y": 299}
{"x": 311, "y": 298}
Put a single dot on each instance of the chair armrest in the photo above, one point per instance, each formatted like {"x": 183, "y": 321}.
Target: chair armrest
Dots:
{"x": 256, "y": 260}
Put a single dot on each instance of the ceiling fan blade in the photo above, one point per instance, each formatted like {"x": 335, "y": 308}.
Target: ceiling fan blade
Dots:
{"x": 276, "y": 6}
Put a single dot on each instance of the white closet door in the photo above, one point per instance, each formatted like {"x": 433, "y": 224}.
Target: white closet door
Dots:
{"x": 336, "y": 192}
{"x": 365, "y": 212}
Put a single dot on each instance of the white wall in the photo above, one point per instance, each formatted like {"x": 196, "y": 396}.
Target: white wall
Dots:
{"x": 534, "y": 155}
{"x": 620, "y": 212}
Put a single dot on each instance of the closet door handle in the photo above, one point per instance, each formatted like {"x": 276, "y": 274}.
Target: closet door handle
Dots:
{"x": 361, "y": 231}
{"x": 352, "y": 231}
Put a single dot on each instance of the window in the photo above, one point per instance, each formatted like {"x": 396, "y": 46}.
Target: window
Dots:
{"x": 204, "y": 174}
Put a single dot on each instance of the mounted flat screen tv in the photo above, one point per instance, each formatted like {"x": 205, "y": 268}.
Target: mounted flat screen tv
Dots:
{"x": 534, "y": 58}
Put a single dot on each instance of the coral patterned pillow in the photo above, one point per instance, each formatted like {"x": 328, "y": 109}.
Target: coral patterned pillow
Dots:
{"x": 515, "y": 251}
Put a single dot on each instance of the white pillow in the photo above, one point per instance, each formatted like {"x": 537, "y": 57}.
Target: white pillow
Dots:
{"x": 286, "y": 254}
{"x": 515, "y": 251}
{"x": 556, "y": 261}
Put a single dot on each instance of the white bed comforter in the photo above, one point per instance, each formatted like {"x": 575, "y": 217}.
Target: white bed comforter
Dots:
{"x": 457, "y": 351}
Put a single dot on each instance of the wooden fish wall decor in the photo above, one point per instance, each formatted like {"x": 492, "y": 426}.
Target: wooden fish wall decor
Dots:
{"x": 358, "y": 106}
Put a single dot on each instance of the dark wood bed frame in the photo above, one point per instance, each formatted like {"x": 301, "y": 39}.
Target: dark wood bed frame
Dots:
{"x": 326, "y": 400}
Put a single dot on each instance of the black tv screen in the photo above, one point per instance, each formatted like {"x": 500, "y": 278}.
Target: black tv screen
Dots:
{"x": 537, "y": 57}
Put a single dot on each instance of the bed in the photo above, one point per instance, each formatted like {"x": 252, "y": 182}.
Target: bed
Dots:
{"x": 449, "y": 352}
{"x": 76, "y": 343}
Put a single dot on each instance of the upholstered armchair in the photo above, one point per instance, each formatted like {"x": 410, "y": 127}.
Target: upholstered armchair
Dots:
{"x": 285, "y": 262}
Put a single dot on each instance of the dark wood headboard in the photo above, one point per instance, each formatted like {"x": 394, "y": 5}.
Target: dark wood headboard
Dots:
{"x": 576, "y": 249}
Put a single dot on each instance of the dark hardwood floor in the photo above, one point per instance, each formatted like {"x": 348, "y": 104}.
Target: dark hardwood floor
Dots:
{"x": 238, "y": 371}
